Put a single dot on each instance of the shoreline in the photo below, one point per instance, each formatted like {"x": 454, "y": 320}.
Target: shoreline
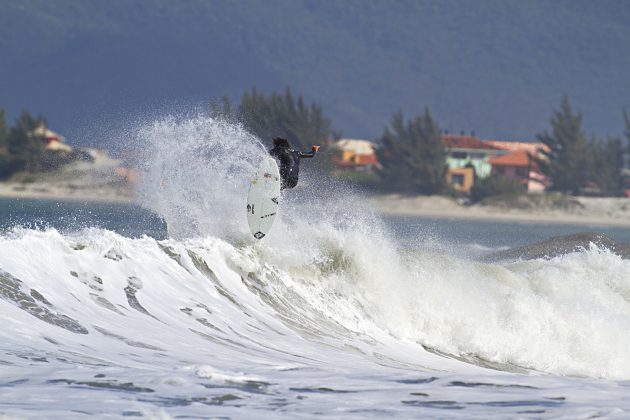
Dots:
{"x": 439, "y": 207}
{"x": 523, "y": 218}
{"x": 25, "y": 191}
{"x": 602, "y": 211}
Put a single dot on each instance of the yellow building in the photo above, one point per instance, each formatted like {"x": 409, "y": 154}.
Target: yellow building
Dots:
{"x": 355, "y": 154}
{"x": 461, "y": 179}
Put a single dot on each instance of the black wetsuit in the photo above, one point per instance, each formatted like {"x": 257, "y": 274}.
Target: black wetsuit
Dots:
{"x": 289, "y": 164}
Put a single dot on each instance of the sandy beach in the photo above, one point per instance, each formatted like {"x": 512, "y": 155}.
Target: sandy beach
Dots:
{"x": 548, "y": 208}
{"x": 77, "y": 182}
{"x": 604, "y": 211}
{"x": 62, "y": 193}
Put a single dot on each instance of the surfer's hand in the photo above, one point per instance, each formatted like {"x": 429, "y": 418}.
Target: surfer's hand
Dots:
{"x": 315, "y": 149}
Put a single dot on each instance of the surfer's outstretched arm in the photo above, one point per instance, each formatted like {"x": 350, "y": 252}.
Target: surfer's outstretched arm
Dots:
{"x": 310, "y": 154}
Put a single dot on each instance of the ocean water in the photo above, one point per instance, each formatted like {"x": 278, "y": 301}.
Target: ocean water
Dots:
{"x": 169, "y": 309}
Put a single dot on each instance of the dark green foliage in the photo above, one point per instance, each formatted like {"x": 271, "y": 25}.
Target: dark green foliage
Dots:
{"x": 495, "y": 185}
{"x": 5, "y": 166}
{"x": 51, "y": 160}
{"x": 626, "y": 119}
{"x": 24, "y": 147}
{"x": 223, "y": 109}
{"x": 280, "y": 115}
{"x": 579, "y": 167}
{"x": 413, "y": 156}
{"x": 4, "y": 131}
{"x": 626, "y": 153}
{"x": 567, "y": 158}
{"x": 605, "y": 161}
{"x": 284, "y": 116}
{"x": 277, "y": 115}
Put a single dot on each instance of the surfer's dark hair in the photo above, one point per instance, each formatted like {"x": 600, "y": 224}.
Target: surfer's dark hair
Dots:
{"x": 280, "y": 142}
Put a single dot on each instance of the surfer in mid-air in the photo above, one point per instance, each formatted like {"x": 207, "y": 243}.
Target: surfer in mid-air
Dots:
{"x": 289, "y": 161}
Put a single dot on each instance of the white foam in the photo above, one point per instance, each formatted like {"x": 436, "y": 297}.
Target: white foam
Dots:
{"x": 326, "y": 303}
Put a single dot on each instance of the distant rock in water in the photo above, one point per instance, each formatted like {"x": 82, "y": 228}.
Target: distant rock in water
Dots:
{"x": 561, "y": 245}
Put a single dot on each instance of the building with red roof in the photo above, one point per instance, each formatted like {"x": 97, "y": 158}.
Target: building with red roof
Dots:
{"x": 469, "y": 152}
{"x": 514, "y": 159}
{"x": 534, "y": 148}
{"x": 355, "y": 154}
{"x": 521, "y": 165}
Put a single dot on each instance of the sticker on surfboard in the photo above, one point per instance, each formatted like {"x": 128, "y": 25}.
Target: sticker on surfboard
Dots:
{"x": 263, "y": 197}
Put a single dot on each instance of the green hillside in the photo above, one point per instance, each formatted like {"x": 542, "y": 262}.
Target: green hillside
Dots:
{"x": 496, "y": 67}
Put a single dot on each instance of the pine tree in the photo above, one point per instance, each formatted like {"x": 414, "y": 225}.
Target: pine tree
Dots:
{"x": 626, "y": 119}
{"x": 5, "y": 161}
{"x": 223, "y": 110}
{"x": 281, "y": 115}
{"x": 566, "y": 162}
{"x": 4, "y": 131}
{"x": 24, "y": 146}
{"x": 605, "y": 161}
{"x": 278, "y": 115}
{"x": 413, "y": 156}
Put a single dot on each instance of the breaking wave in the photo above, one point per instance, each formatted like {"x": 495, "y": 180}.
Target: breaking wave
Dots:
{"x": 329, "y": 286}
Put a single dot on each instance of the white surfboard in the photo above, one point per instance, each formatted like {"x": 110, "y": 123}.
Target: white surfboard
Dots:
{"x": 263, "y": 197}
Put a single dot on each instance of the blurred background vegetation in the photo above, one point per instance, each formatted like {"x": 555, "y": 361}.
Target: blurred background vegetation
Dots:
{"x": 499, "y": 68}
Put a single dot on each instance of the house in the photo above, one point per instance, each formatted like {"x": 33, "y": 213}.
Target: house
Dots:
{"x": 468, "y": 151}
{"x": 533, "y": 148}
{"x": 53, "y": 141}
{"x": 467, "y": 158}
{"x": 461, "y": 179}
{"x": 514, "y": 159}
{"x": 355, "y": 154}
{"x": 521, "y": 163}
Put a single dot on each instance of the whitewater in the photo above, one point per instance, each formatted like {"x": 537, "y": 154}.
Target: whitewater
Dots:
{"x": 331, "y": 315}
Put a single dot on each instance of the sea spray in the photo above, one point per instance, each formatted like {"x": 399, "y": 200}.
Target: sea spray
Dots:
{"x": 195, "y": 173}
{"x": 568, "y": 315}
{"x": 332, "y": 254}
{"x": 328, "y": 314}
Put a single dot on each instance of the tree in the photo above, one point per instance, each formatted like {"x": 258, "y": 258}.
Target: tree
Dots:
{"x": 496, "y": 185}
{"x": 284, "y": 116}
{"x": 605, "y": 161}
{"x": 5, "y": 162}
{"x": 626, "y": 119}
{"x": 277, "y": 115}
{"x": 4, "y": 131}
{"x": 413, "y": 156}
{"x": 566, "y": 161}
{"x": 280, "y": 115}
{"x": 25, "y": 147}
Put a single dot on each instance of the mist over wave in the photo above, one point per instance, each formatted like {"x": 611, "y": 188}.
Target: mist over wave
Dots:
{"x": 329, "y": 290}
{"x": 195, "y": 171}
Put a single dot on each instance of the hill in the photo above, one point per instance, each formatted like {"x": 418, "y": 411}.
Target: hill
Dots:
{"x": 496, "y": 67}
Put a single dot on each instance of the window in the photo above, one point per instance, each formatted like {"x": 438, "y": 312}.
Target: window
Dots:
{"x": 459, "y": 155}
{"x": 458, "y": 179}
